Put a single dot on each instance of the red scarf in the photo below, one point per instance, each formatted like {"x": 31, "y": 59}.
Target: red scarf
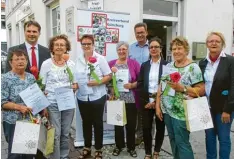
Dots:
{"x": 213, "y": 59}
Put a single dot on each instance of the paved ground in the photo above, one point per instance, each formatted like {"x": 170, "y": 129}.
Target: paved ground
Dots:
{"x": 197, "y": 140}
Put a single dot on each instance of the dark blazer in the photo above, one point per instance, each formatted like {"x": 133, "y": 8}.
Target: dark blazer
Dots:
{"x": 43, "y": 52}
{"x": 143, "y": 80}
{"x": 223, "y": 81}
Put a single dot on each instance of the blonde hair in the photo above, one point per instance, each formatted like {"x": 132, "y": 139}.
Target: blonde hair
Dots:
{"x": 219, "y": 34}
{"x": 180, "y": 41}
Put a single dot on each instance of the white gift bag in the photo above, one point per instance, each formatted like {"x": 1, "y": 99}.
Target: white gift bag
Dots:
{"x": 197, "y": 113}
{"x": 27, "y": 138}
{"x": 116, "y": 113}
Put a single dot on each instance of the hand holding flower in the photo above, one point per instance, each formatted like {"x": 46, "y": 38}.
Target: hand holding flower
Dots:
{"x": 128, "y": 86}
{"x": 93, "y": 83}
{"x": 176, "y": 86}
{"x": 114, "y": 69}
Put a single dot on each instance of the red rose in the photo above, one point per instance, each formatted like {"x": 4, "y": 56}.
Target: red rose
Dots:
{"x": 65, "y": 57}
{"x": 34, "y": 71}
{"x": 175, "y": 77}
{"x": 92, "y": 59}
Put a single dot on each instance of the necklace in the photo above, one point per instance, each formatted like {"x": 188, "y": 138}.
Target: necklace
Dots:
{"x": 58, "y": 63}
{"x": 181, "y": 64}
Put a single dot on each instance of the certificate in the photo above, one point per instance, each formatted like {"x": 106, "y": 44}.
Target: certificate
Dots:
{"x": 35, "y": 98}
{"x": 65, "y": 98}
{"x": 82, "y": 80}
{"x": 122, "y": 77}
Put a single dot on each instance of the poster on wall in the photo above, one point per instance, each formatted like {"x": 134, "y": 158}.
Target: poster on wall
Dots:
{"x": 108, "y": 29}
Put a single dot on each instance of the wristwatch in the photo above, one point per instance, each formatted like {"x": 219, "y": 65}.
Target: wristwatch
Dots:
{"x": 185, "y": 89}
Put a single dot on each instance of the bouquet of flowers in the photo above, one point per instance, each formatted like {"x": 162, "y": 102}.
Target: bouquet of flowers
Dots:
{"x": 91, "y": 61}
{"x": 35, "y": 72}
{"x": 173, "y": 77}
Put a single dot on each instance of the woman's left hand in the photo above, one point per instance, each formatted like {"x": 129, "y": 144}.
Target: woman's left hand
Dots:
{"x": 45, "y": 113}
{"x": 93, "y": 83}
{"x": 225, "y": 118}
{"x": 128, "y": 86}
{"x": 150, "y": 105}
{"x": 74, "y": 86}
{"x": 176, "y": 86}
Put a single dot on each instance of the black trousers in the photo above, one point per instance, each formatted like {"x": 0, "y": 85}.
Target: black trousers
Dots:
{"x": 147, "y": 120}
{"x": 92, "y": 115}
{"x": 131, "y": 113}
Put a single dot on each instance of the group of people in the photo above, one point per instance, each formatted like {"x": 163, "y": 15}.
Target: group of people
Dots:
{"x": 144, "y": 101}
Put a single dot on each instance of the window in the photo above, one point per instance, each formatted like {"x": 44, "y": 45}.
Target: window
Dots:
{"x": 160, "y": 7}
{"x": 55, "y": 14}
{"x": 3, "y": 22}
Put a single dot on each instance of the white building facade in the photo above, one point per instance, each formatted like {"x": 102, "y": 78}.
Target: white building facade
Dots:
{"x": 193, "y": 19}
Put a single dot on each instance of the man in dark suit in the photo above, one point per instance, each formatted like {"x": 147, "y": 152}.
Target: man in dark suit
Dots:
{"x": 36, "y": 54}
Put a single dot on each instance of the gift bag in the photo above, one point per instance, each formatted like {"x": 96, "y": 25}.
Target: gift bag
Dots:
{"x": 197, "y": 113}
{"x": 50, "y": 141}
{"x": 46, "y": 142}
{"x": 26, "y": 138}
{"x": 116, "y": 113}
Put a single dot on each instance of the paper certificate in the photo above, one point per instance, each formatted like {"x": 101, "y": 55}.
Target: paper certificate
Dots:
{"x": 35, "y": 98}
{"x": 122, "y": 77}
{"x": 65, "y": 98}
{"x": 84, "y": 89}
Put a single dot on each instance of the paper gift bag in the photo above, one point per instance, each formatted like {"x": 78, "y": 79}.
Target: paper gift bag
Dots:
{"x": 46, "y": 142}
{"x": 116, "y": 113}
{"x": 197, "y": 114}
{"x": 26, "y": 137}
{"x": 50, "y": 141}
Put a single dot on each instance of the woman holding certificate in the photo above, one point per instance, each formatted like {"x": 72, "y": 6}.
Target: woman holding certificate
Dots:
{"x": 127, "y": 70}
{"x": 184, "y": 76}
{"x": 148, "y": 82}
{"x": 57, "y": 75}
{"x": 13, "y": 107}
{"x": 93, "y": 72}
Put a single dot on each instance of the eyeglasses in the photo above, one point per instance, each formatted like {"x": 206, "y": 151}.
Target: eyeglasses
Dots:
{"x": 59, "y": 45}
{"x": 86, "y": 44}
{"x": 155, "y": 47}
{"x": 214, "y": 41}
{"x": 121, "y": 50}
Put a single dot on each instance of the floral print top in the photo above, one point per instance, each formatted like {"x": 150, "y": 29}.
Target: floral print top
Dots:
{"x": 173, "y": 105}
{"x": 11, "y": 86}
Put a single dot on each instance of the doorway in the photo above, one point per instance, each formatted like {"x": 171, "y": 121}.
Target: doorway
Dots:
{"x": 163, "y": 30}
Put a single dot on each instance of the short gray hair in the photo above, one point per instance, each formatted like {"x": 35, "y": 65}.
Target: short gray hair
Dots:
{"x": 122, "y": 43}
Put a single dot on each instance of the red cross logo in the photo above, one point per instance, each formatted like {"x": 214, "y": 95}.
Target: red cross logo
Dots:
{"x": 102, "y": 34}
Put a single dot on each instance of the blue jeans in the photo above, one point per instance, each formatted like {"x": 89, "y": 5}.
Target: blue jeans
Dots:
{"x": 179, "y": 138}
{"x": 61, "y": 120}
{"x": 221, "y": 130}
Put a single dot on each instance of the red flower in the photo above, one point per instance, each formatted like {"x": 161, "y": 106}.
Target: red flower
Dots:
{"x": 34, "y": 71}
{"x": 92, "y": 59}
{"x": 175, "y": 77}
{"x": 66, "y": 57}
